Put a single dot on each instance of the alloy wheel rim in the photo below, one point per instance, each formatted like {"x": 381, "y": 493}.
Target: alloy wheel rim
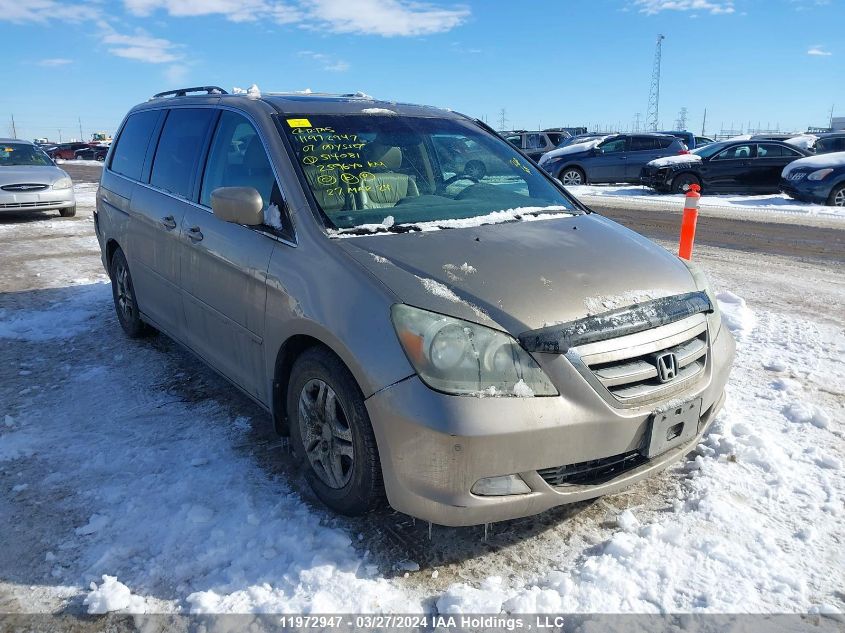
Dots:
{"x": 839, "y": 198}
{"x": 571, "y": 178}
{"x": 124, "y": 292}
{"x": 326, "y": 434}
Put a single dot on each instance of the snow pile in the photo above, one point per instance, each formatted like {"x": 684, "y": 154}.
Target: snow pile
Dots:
{"x": 61, "y": 320}
{"x": 606, "y": 303}
{"x": 833, "y": 159}
{"x": 678, "y": 159}
{"x": 520, "y": 214}
{"x": 522, "y": 390}
{"x": 378, "y": 111}
{"x": 736, "y": 314}
{"x": 273, "y": 217}
{"x": 112, "y": 595}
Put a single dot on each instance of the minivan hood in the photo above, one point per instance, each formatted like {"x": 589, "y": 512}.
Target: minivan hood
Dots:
{"x": 35, "y": 174}
{"x": 523, "y": 275}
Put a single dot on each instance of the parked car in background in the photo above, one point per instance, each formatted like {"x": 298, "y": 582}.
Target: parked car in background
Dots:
{"x": 615, "y": 158}
{"x": 819, "y": 179}
{"x": 687, "y": 137}
{"x": 30, "y": 180}
{"x": 94, "y": 152}
{"x": 729, "y": 166}
{"x": 66, "y": 151}
{"x": 534, "y": 144}
{"x": 703, "y": 140}
{"x": 820, "y": 143}
{"x": 419, "y": 365}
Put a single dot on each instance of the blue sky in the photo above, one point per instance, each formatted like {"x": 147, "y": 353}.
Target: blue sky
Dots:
{"x": 547, "y": 63}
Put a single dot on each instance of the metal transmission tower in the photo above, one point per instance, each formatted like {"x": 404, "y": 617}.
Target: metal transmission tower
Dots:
{"x": 681, "y": 122}
{"x": 651, "y": 117}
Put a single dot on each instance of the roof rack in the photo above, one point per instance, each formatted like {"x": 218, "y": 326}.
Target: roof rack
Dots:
{"x": 183, "y": 92}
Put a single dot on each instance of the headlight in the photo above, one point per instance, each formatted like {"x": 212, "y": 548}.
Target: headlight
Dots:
{"x": 714, "y": 319}
{"x": 464, "y": 358}
{"x": 63, "y": 183}
{"x": 819, "y": 174}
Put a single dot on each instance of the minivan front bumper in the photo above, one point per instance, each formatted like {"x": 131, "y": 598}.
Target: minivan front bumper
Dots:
{"x": 435, "y": 447}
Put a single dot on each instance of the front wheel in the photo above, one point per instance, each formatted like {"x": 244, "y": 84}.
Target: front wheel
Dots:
{"x": 125, "y": 302}
{"x": 682, "y": 183}
{"x": 68, "y": 212}
{"x": 572, "y": 176}
{"x": 837, "y": 196}
{"x": 331, "y": 434}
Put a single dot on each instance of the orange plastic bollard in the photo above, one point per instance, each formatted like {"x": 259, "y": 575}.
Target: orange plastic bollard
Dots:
{"x": 689, "y": 221}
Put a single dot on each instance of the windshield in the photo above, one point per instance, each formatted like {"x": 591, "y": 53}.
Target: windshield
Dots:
{"x": 711, "y": 149}
{"x": 21, "y": 154}
{"x": 385, "y": 169}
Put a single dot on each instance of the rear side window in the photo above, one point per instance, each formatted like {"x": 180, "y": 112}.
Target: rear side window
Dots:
{"x": 131, "y": 149}
{"x": 664, "y": 142}
{"x": 179, "y": 150}
{"x": 641, "y": 143}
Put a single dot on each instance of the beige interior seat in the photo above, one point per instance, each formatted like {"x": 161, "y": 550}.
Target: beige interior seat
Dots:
{"x": 326, "y": 184}
{"x": 388, "y": 186}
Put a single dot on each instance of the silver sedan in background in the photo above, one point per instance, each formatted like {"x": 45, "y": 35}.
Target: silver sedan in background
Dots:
{"x": 31, "y": 181}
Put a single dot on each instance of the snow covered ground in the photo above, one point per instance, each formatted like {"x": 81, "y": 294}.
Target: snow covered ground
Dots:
{"x": 751, "y": 206}
{"x": 133, "y": 478}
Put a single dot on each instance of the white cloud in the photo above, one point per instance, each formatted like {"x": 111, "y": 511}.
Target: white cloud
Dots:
{"x": 176, "y": 74}
{"x": 54, "y": 61}
{"x": 818, "y": 50}
{"x": 234, "y": 10}
{"x": 142, "y": 47}
{"x": 45, "y": 10}
{"x": 326, "y": 62}
{"x": 387, "y": 18}
{"x": 715, "y": 7}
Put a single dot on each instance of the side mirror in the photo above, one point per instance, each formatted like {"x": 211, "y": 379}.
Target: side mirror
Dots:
{"x": 241, "y": 205}
{"x": 596, "y": 151}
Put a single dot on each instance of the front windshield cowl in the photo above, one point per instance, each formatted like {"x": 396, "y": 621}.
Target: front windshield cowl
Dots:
{"x": 425, "y": 173}
{"x": 524, "y": 214}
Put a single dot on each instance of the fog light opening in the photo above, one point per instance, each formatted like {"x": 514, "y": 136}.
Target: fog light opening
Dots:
{"x": 500, "y": 486}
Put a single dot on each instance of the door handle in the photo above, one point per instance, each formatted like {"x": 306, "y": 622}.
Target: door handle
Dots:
{"x": 168, "y": 222}
{"x": 195, "y": 234}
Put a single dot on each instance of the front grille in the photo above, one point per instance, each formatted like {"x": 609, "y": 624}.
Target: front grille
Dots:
{"x": 26, "y": 205}
{"x": 25, "y": 186}
{"x": 593, "y": 472}
{"x": 629, "y": 369}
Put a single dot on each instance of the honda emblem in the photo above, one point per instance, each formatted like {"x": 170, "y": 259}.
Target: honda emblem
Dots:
{"x": 667, "y": 367}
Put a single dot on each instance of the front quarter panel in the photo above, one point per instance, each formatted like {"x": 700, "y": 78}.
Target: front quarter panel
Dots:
{"x": 317, "y": 290}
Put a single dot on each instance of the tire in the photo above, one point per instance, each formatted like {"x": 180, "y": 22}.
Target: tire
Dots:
{"x": 681, "y": 183}
{"x": 837, "y": 196}
{"x": 339, "y": 435}
{"x": 68, "y": 212}
{"x": 125, "y": 302}
{"x": 572, "y": 176}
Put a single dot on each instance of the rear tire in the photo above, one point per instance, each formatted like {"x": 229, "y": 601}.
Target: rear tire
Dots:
{"x": 125, "y": 302}
{"x": 572, "y": 176}
{"x": 331, "y": 434}
{"x": 68, "y": 212}
{"x": 837, "y": 197}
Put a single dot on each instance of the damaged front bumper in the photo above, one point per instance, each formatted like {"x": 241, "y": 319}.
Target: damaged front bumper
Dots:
{"x": 434, "y": 447}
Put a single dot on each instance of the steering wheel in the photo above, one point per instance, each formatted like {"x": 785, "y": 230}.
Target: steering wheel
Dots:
{"x": 474, "y": 170}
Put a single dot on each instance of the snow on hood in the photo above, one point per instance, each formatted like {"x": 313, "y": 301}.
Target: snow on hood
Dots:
{"x": 571, "y": 149}
{"x": 525, "y": 275}
{"x": 803, "y": 141}
{"x": 834, "y": 159}
{"x": 679, "y": 159}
